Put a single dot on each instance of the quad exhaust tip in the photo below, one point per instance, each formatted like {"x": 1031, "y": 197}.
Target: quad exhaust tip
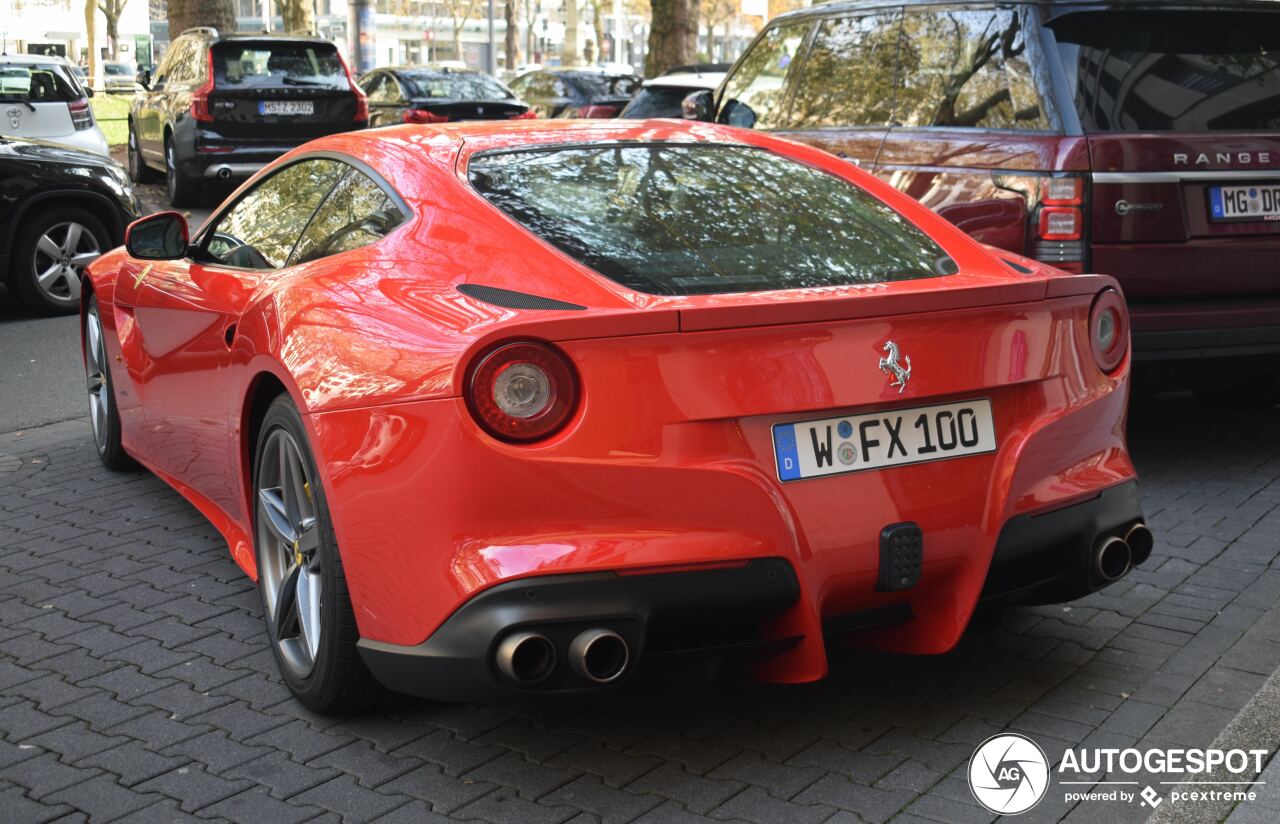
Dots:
{"x": 599, "y": 655}
{"x": 1112, "y": 559}
{"x": 1141, "y": 541}
{"x": 525, "y": 657}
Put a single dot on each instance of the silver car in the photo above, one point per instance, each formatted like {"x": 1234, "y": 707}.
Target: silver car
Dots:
{"x": 41, "y": 98}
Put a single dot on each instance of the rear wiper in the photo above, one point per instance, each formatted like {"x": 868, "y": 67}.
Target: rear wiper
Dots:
{"x": 26, "y": 103}
{"x": 297, "y": 81}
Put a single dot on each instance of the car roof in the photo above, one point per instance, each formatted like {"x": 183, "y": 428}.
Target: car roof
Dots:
{"x": 703, "y": 80}
{"x": 32, "y": 58}
{"x": 1056, "y": 6}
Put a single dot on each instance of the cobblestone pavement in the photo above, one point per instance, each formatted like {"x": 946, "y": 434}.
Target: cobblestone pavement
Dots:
{"x": 135, "y": 682}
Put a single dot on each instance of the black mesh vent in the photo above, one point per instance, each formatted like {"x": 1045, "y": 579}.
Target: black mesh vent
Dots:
{"x": 508, "y": 299}
{"x": 1017, "y": 266}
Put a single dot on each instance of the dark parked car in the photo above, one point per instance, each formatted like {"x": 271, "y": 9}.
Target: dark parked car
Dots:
{"x": 571, "y": 92}
{"x": 407, "y": 94}
{"x": 222, "y": 107}
{"x": 1139, "y": 142}
{"x": 59, "y": 209}
{"x": 663, "y": 96}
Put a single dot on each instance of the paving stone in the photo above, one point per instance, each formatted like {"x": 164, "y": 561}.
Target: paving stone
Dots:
{"x": 44, "y": 774}
{"x": 347, "y": 798}
{"x": 133, "y": 762}
{"x": 369, "y": 766}
{"x": 513, "y": 770}
{"x": 103, "y": 798}
{"x": 698, "y": 794}
{"x": 257, "y": 805}
{"x": 505, "y": 807}
{"x": 283, "y": 776}
{"x": 193, "y": 786}
{"x": 443, "y": 793}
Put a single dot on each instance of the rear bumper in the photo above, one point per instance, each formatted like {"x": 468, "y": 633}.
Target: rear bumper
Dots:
{"x": 1040, "y": 558}
{"x": 1201, "y": 344}
{"x": 690, "y": 612}
{"x": 1044, "y": 558}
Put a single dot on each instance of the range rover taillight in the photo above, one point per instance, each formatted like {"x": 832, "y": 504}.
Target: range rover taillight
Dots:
{"x": 81, "y": 114}
{"x": 1056, "y": 207}
{"x": 522, "y": 391}
{"x": 423, "y": 116}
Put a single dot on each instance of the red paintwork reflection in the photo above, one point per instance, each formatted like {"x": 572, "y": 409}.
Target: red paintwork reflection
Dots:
{"x": 668, "y": 459}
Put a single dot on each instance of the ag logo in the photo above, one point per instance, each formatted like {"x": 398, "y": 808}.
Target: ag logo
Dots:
{"x": 1008, "y": 774}
{"x": 15, "y": 117}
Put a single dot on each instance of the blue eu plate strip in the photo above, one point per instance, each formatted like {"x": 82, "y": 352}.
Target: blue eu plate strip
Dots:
{"x": 1215, "y": 201}
{"x": 784, "y": 449}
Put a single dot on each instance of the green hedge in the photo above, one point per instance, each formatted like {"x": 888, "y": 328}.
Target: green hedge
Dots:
{"x": 112, "y": 113}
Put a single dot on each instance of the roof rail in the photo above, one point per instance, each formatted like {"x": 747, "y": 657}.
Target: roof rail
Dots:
{"x": 210, "y": 30}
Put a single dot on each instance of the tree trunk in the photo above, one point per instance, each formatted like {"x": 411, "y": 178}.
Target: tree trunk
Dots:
{"x": 298, "y": 15}
{"x": 187, "y": 14}
{"x": 91, "y": 36}
{"x": 598, "y": 24}
{"x": 113, "y": 36}
{"x": 672, "y": 35}
{"x": 569, "y": 52}
{"x": 512, "y": 40}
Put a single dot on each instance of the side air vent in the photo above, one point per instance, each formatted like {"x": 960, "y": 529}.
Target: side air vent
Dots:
{"x": 509, "y": 299}
{"x": 1017, "y": 267}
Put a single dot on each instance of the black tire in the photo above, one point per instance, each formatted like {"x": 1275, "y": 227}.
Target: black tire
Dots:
{"x": 338, "y": 680}
{"x": 104, "y": 416}
{"x": 139, "y": 171}
{"x": 31, "y": 259}
{"x": 183, "y": 190}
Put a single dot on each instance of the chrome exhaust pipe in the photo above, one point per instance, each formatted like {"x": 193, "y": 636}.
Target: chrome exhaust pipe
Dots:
{"x": 599, "y": 655}
{"x": 1111, "y": 559}
{"x": 1141, "y": 541}
{"x": 224, "y": 173}
{"x": 525, "y": 657}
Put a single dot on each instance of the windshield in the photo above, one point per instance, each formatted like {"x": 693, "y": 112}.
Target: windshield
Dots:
{"x": 657, "y": 101}
{"x": 1173, "y": 71}
{"x": 674, "y": 219}
{"x": 604, "y": 85}
{"x": 37, "y": 83}
{"x": 257, "y": 65}
{"x": 454, "y": 86}
{"x": 117, "y": 68}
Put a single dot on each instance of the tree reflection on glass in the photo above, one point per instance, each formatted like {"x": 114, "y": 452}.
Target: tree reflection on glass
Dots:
{"x": 963, "y": 69}
{"x": 756, "y": 90}
{"x": 848, "y": 74}
{"x": 703, "y": 219}
{"x": 260, "y": 230}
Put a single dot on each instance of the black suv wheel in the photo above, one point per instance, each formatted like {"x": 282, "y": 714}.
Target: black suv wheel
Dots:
{"x": 183, "y": 190}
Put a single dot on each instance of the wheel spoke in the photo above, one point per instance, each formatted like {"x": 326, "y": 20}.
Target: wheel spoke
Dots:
{"x": 72, "y": 241}
{"x": 286, "y": 613}
{"x": 308, "y": 537}
{"x": 50, "y": 276}
{"x": 85, "y": 258}
{"x": 72, "y": 279}
{"x": 278, "y": 522}
{"x": 309, "y": 609}
{"x": 46, "y": 245}
{"x": 94, "y": 339}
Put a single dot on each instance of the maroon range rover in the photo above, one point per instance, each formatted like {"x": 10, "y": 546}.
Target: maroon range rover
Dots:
{"x": 1137, "y": 139}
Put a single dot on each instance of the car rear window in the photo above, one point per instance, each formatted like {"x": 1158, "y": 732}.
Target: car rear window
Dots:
{"x": 37, "y": 83}
{"x": 672, "y": 219}
{"x": 454, "y": 86}
{"x": 1172, "y": 71}
{"x": 253, "y": 65}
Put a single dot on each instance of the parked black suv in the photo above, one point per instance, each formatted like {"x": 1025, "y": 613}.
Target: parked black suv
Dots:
{"x": 59, "y": 209}
{"x": 224, "y": 106}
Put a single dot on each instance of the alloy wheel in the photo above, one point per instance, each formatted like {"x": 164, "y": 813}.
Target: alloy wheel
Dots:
{"x": 289, "y": 552}
{"x": 171, "y": 171}
{"x": 60, "y": 256}
{"x": 95, "y": 367}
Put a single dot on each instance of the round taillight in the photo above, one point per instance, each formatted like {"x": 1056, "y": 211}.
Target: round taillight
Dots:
{"x": 522, "y": 391}
{"x": 1108, "y": 329}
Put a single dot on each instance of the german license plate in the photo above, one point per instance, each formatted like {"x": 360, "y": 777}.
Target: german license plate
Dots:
{"x": 291, "y": 107}
{"x": 1252, "y": 202}
{"x": 834, "y": 446}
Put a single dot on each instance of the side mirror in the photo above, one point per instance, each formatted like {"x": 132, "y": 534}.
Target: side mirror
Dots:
{"x": 88, "y": 90}
{"x": 699, "y": 105}
{"x": 162, "y": 236}
{"x": 143, "y": 78}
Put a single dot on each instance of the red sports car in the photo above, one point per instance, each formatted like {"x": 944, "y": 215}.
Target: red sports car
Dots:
{"x": 512, "y": 407}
